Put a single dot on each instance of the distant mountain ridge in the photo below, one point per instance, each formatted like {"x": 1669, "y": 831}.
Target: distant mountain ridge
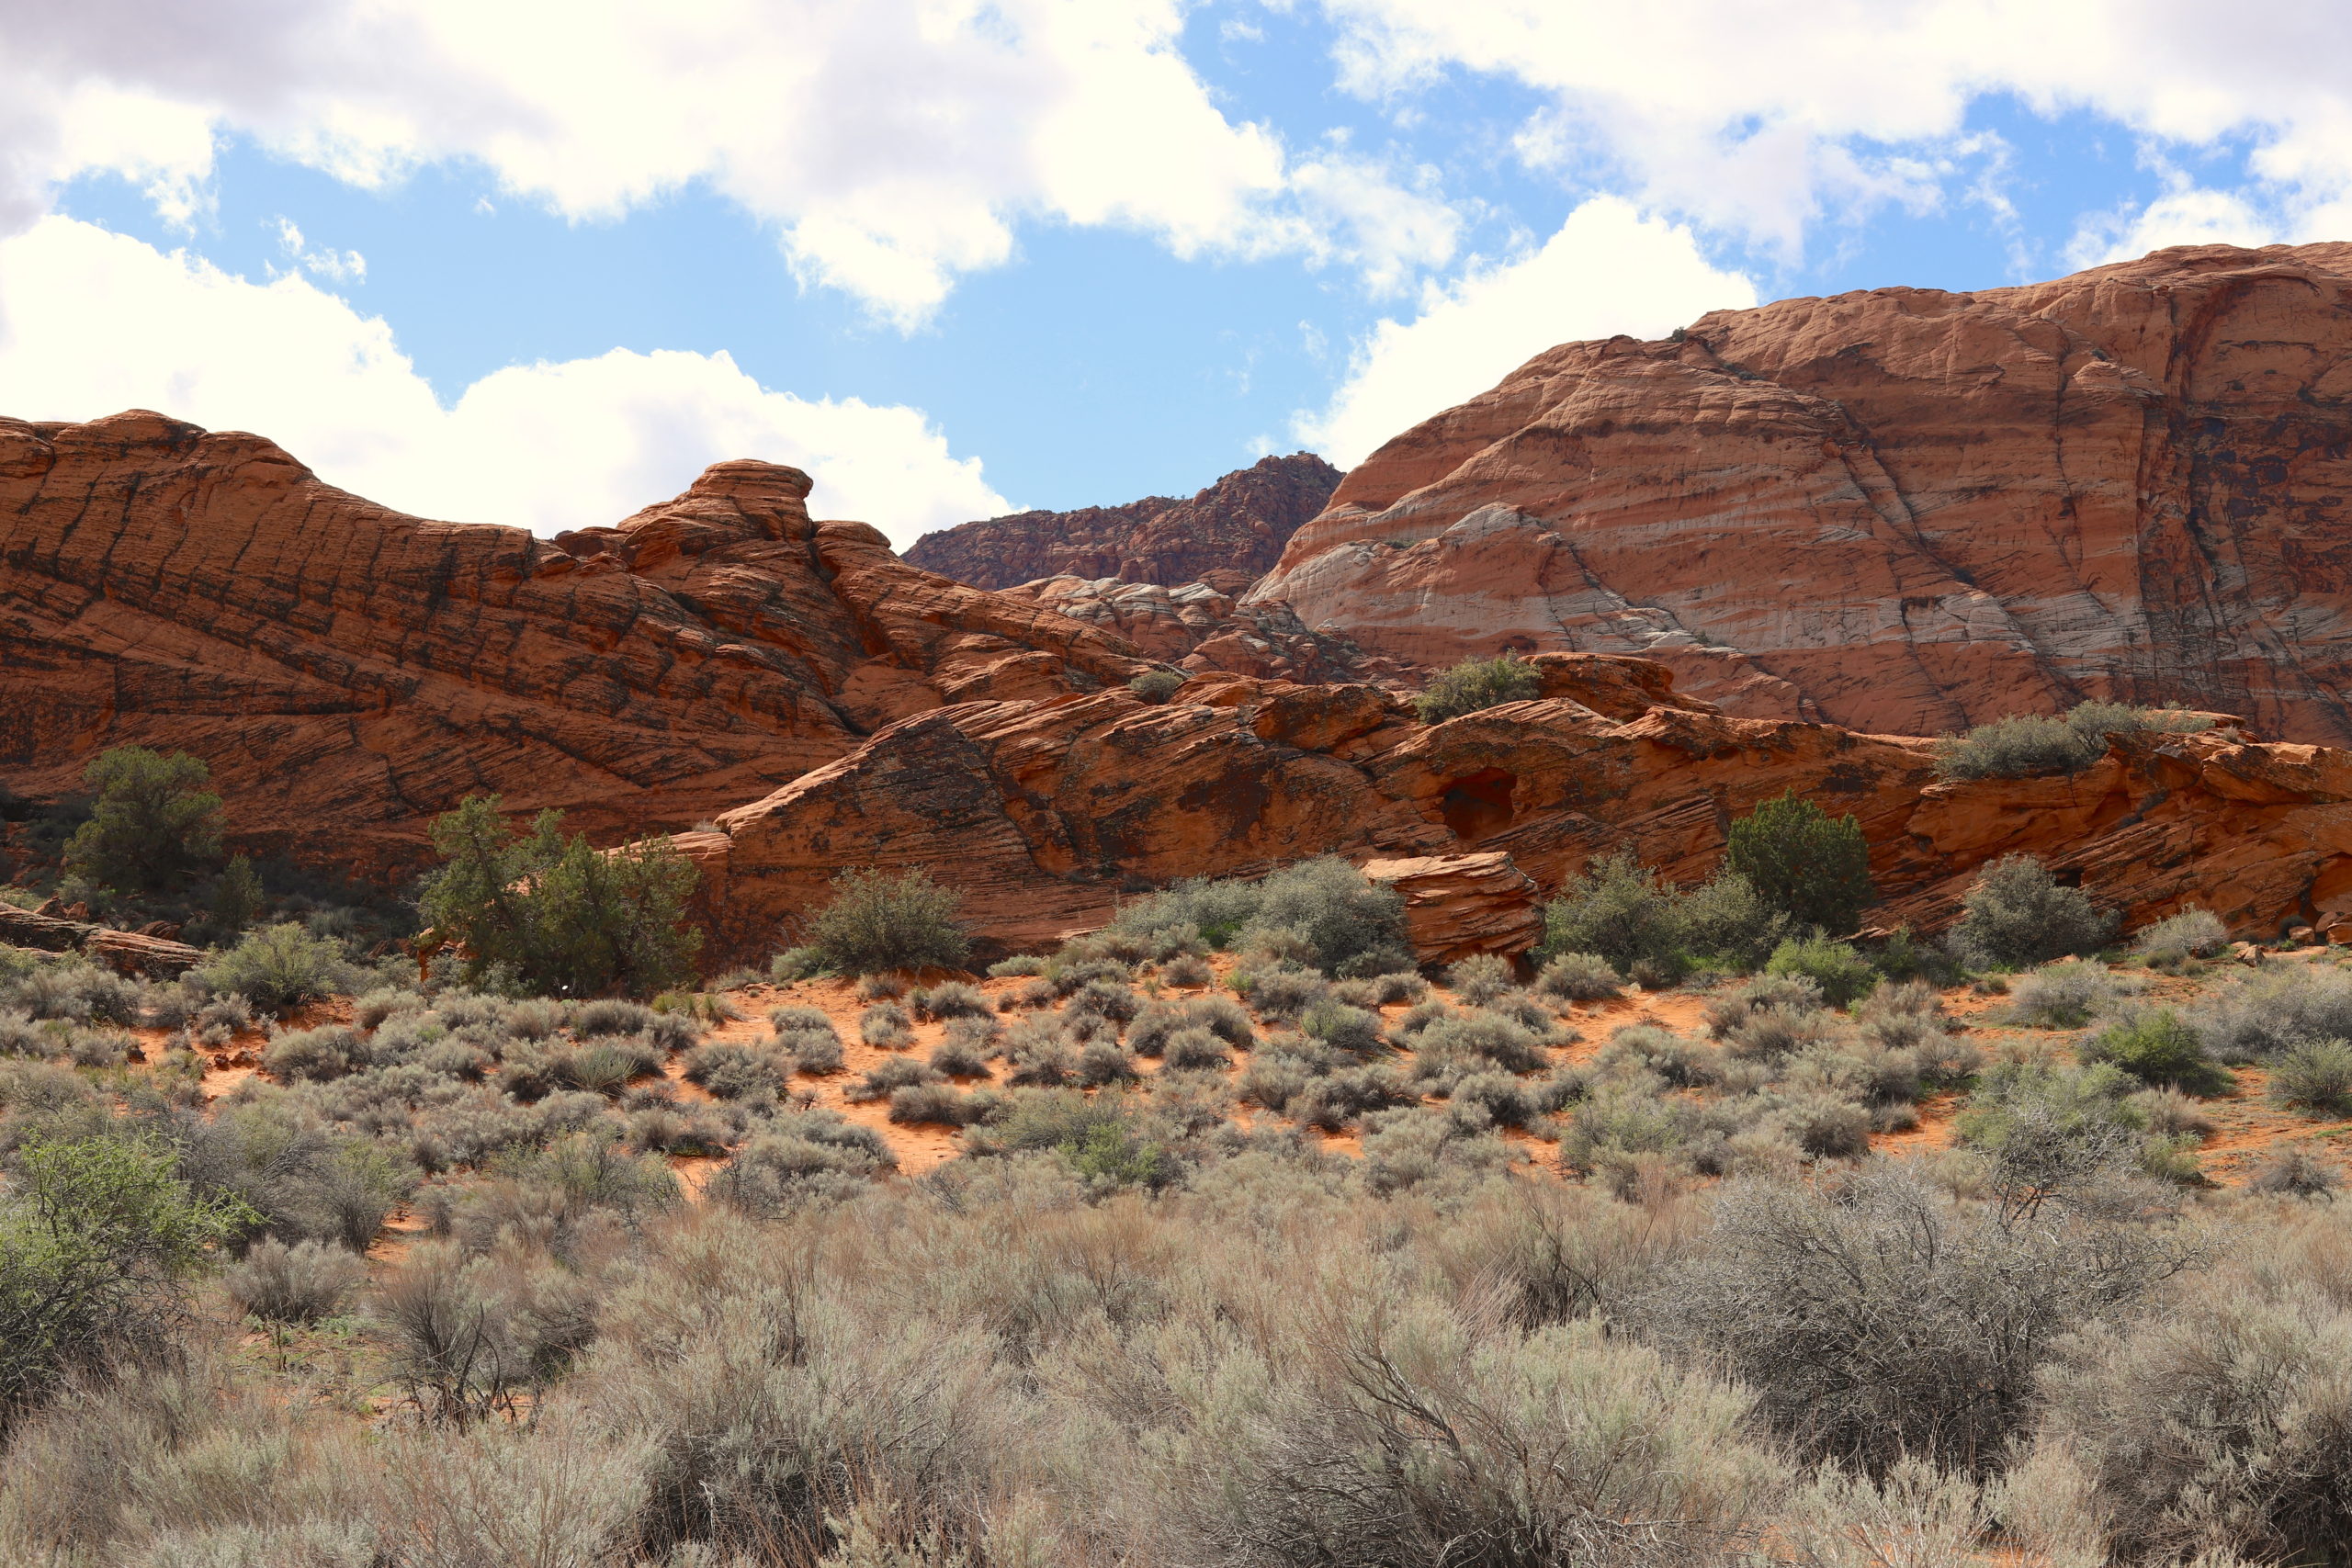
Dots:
{"x": 1226, "y": 536}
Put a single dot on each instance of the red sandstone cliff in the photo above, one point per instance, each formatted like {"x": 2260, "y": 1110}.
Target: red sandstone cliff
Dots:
{"x": 348, "y": 671}
{"x": 1904, "y": 510}
{"x": 1226, "y": 536}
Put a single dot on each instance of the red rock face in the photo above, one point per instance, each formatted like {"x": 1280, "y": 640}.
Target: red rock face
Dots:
{"x": 1902, "y": 511}
{"x": 1195, "y": 627}
{"x": 1046, "y": 814}
{"x": 1226, "y": 536}
{"x": 349, "y": 671}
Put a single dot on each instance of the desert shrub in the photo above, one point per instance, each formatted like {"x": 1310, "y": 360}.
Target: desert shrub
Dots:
{"x": 1618, "y": 912}
{"x": 1886, "y": 1322}
{"x": 1020, "y": 964}
{"x": 1194, "y": 1049}
{"x": 1802, "y": 862}
{"x": 1337, "y": 1101}
{"x": 2297, "y": 1172}
{"x": 1109, "y": 999}
{"x": 951, "y": 998}
{"x": 1044, "y": 1063}
{"x": 807, "y": 1156}
{"x": 937, "y": 1102}
{"x": 1188, "y": 971}
{"x": 2216, "y": 1430}
{"x": 1102, "y": 1062}
{"x": 886, "y": 1024}
{"x": 2022, "y": 746}
{"x": 1769, "y": 1033}
{"x": 152, "y": 825}
{"x": 1156, "y": 685}
{"x": 1476, "y": 684}
{"x": 1680, "y": 1062}
{"x": 816, "y": 1055}
{"x": 1790, "y": 993}
{"x": 2159, "y": 1047}
{"x": 277, "y": 967}
{"x": 98, "y": 1238}
{"x": 880, "y": 920}
{"x": 2270, "y": 1013}
{"x": 555, "y": 915}
{"x": 1826, "y": 1126}
{"x": 2052, "y": 1134}
{"x": 1579, "y": 978}
{"x": 894, "y": 1074}
{"x": 293, "y": 1284}
{"x": 1842, "y": 974}
{"x": 606, "y": 1067}
{"x": 1324, "y": 904}
{"x": 74, "y": 991}
{"x": 795, "y": 963}
{"x": 2062, "y": 996}
{"x": 1286, "y": 992}
{"x": 318, "y": 1055}
{"x": 2314, "y": 1075}
{"x": 1343, "y": 1028}
{"x": 960, "y": 1058}
{"x": 2173, "y": 940}
{"x": 1904, "y": 956}
{"x": 2169, "y": 1113}
{"x": 1485, "y": 1037}
{"x": 2018, "y": 913}
{"x": 1479, "y": 979}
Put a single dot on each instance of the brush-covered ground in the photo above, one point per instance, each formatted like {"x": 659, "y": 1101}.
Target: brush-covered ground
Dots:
{"x": 1165, "y": 1256}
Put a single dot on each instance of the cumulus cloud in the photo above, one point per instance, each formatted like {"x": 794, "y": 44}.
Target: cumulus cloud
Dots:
{"x": 91, "y": 323}
{"x": 1760, "y": 120}
{"x": 893, "y": 144}
{"x": 1609, "y": 270}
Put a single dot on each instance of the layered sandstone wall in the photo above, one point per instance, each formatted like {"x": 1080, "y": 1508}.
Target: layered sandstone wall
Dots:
{"x": 348, "y": 671}
{"x": 1226, "y": 534}
{"x": 1905, "y": 510}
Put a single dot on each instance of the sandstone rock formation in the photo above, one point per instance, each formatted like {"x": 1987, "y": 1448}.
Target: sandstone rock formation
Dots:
{"x": 131, "y": 953}
{"x": 1903, "y": 510}
{"x": 1226, "y": 537}
{"x": 1046, "y": 814}
{"x": 348, "y": 671}
{"x": 1195, "y": 627}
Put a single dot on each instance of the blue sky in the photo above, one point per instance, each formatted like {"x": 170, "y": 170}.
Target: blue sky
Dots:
{"x": 534, "y": 264}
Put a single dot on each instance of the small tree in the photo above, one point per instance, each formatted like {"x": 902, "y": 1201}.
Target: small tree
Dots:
{"x": 154, "y": 824}
{"x": 555, "y": 914}
{"x": 96, "y": 1241}
{"x": 237, "y": 897}
{"x": 880, "y": 920}
{"x": 1811, "y": 866}
{"x": 1477, "y": 683}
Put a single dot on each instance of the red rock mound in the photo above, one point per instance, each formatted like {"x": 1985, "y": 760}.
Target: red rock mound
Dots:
{"x": 1902, "y": 511}
{"x": 1226, "y": 536}
{"x": 1046, "y": 814}
{"x": 349, "y": 671}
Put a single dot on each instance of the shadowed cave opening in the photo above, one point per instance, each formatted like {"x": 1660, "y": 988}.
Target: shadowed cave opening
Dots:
{"x": 1478, "y": 805}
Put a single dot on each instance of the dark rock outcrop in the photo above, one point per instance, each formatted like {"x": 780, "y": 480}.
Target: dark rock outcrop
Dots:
{"x": 1226, "y": 536}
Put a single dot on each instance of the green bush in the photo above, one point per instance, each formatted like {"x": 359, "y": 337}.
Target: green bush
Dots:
{"x": 2175, "y": 939}
{"x": 2028, "y": 745}
{"x": 881, "y": 920}
{"x": 277, "y": 967}
{"x": 97, "y": 1240}
{"x": 1809, "y": 865}
{"x": 1157, "y": 685}
{"x": 2314, "y": 1075}
{"x": 237, "y": 896}
{"x": 555, "y": 916}
{"x": 2018, "y": 913}
{"x": 1619, "y": 911}
{"x": 1476, "y": 684}
{"x": 2158, "y": 1047}
{"x": 1322, "y": 909}
{"x": 1843, "y": 973}
{"x": 153, "y": 823}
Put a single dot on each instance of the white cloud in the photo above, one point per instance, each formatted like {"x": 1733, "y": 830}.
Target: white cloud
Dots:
{"x": 892, "y": 143}
{"x": 1608, "y": 270}
{"x": 339, "y": 266}
{"x": 91, "y": 323}
{"x": 1763, "y": 120}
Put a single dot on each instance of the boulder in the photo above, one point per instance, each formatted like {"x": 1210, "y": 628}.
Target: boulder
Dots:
{"x": 1457, "y": 906}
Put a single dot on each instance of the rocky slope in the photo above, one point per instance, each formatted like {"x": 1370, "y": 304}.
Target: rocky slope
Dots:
{"x": 349, "y": 671}
{"x": 1048, "y": 813}
{"x": 1902, "y": 511}
{"x": 1225, "y": 536}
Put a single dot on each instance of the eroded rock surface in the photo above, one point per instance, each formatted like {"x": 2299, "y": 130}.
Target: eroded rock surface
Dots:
{"x": 1902, "y": 511}
{"x": 1195, "y": 627}
{"x": 1226, "y": 536}
{"x": 1046, "y": 814}
{"x": 348, "y": 671}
